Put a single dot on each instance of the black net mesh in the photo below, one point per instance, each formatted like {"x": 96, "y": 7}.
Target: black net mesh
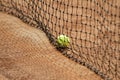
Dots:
{"x": 92, "y": 25}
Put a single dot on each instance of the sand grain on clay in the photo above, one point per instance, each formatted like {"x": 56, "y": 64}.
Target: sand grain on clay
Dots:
{"x": 26, "y": 54}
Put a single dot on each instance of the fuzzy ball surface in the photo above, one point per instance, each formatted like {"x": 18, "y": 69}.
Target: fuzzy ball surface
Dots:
{"x": 63, "y": 41}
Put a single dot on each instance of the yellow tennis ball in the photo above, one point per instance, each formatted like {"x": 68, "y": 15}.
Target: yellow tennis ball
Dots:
{"x": 63, "y": 41}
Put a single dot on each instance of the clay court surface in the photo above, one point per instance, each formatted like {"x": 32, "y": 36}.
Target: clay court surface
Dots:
{"x": 26, "y": 54}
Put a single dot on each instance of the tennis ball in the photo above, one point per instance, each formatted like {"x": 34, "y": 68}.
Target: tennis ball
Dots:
{"x": 63, "y": 41}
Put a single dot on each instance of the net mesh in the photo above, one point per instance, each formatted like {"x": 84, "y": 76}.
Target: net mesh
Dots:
{"x": 92, "y": 25}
